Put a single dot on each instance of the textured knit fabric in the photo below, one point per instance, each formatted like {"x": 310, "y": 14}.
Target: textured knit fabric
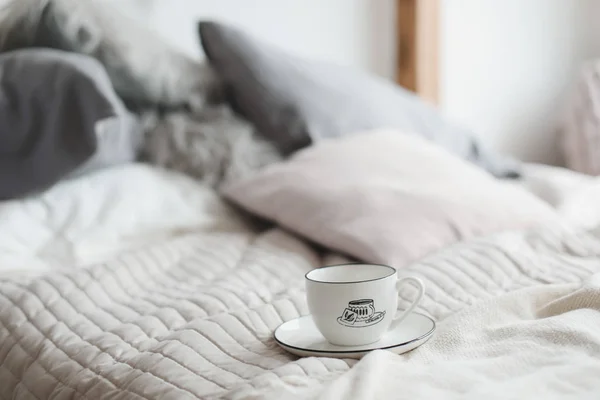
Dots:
{"x": 540, "y": 342}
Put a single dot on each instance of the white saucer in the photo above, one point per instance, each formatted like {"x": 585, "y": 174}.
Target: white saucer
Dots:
{"x": 301, "y": 337}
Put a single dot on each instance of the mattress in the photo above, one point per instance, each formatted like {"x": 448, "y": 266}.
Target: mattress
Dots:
{"x": 141, "y": 283}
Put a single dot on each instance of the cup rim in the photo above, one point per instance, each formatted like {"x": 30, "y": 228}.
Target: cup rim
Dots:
{"x": 392, "y": 272}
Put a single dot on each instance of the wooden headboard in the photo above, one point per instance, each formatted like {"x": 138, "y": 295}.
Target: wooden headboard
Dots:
{"x": 417, "y": 28}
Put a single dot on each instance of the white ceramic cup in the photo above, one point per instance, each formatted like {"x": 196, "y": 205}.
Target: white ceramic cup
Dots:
{"x": 355, "y": 304}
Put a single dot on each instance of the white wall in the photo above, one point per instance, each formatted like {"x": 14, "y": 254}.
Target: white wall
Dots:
{"x": 505, "y": 64}
{"x": 353, "y": 32}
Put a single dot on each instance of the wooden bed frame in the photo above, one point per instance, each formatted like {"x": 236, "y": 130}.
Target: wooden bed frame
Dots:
{"x": 417, "y": 28}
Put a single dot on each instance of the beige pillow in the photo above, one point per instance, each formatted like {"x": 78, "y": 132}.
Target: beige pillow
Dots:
{"x": 385, "y": 197}
{"x": 579, "y": 129}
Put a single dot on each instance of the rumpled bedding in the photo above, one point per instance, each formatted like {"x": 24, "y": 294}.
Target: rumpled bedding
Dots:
{"x": 145, "y": 284}
{"x": 93, "y": 218}
{"x": 537, "y": 342}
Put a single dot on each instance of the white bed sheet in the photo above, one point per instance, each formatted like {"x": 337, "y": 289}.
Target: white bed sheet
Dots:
{"x": 93, "y": 218}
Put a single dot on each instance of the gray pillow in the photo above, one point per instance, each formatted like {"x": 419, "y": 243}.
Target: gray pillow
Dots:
{"x": 295, "y": 101}
{"x": 59, "y": 117}
{"x": 145, "y": 69}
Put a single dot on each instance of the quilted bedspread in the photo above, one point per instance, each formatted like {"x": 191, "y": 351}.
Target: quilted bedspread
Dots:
{"x": 191, "y": 316}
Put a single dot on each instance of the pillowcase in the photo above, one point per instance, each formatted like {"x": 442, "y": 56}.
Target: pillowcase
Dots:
{"x": 144, "y": 69}
{"x": 385, "y": 197}
{"x": 59, "y": 116}
{"x": 295, "y": 102}
{"x": 579, "y": 128}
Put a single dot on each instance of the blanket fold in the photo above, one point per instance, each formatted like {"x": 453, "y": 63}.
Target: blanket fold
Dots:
{"x": 538, "y": 342}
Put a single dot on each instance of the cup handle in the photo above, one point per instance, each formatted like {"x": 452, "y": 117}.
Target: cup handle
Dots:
{"x": 415, "y": 303}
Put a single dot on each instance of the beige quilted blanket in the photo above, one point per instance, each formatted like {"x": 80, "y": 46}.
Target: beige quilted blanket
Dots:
{"x": 193, "y": 318}
{"x": 188, "y": 308}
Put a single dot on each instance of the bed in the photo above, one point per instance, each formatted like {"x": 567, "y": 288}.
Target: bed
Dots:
{"x": 149, "y": 279}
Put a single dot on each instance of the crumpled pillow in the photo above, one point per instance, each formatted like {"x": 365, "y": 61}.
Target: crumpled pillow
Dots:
{"x": 145, "y": 70}
{"x": 59, "y": 117}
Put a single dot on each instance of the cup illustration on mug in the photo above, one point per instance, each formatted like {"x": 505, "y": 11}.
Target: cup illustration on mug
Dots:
{"x": 360, "y": 313}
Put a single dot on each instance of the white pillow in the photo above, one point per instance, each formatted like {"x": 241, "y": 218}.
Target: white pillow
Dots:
{"x": 386, "y": 197}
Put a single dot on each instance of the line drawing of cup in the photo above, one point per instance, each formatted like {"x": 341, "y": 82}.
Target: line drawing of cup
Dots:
{"x": 364, "y": 308}
{"x": 360, "y": 313}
